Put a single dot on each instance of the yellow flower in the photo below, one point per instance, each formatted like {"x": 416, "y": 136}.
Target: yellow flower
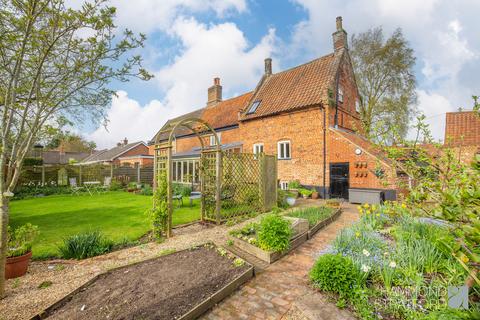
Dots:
{"x": 357, "y": 234}
{"x": 378, "y": 214}
{"x": 464, "y": 259}
{"x": 373, "y": 207}
{"x": 368, "y": 212}
{"x": 404, "y": 205}
{"x": 366, "y": 205}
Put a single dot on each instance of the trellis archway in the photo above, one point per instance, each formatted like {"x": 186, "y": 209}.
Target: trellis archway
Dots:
{"x": 163, "y": 163}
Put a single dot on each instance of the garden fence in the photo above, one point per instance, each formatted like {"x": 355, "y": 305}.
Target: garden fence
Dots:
{"x": 60, "y": 174}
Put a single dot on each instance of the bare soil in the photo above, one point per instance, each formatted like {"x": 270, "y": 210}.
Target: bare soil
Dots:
{"x": 162, "y": 288}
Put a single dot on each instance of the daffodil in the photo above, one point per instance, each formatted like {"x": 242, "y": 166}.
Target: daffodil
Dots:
{"x": 365, "y": 268}
{"x": 404, "y": 205}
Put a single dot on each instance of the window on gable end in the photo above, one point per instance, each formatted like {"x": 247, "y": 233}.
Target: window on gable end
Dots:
{"x": 340, "y": 94}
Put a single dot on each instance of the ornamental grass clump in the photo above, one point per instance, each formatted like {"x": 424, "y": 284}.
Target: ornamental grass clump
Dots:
{"x": 313, "y": 215}
{"x": 274, "y": 233}
{"x": 85, "y": 245}
{"x": 336, "y": 273}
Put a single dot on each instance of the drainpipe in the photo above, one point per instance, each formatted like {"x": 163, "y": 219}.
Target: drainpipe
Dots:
{"x": 324, "y": 153}
{"x": 336, "y": 99}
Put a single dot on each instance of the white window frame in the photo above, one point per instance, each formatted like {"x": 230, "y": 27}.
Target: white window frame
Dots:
{"x": 212, "y": 139}
{"x": 340, "y": 94}
{"x": 284, "y": 185}
{"x": 257, "y": 146}
{"x": 281, "y": 147}
{"x": 357, "y": 105}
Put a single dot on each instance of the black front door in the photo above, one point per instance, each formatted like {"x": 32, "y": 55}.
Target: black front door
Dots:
{"x": 339, "y": 180}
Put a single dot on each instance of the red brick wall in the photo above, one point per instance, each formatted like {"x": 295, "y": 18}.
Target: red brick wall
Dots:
{"x": 304, "y": 129}
{"x": 361, "y": 166}
{"x": 462, "y": 128}
{"x": 347, "y": 115}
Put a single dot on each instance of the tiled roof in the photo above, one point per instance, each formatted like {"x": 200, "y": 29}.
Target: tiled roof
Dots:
{"x": 462, "y": 128}
{"x": 220, "y": 115}
{"x": 295, "y": 88}
{"x": 111, "y": 154}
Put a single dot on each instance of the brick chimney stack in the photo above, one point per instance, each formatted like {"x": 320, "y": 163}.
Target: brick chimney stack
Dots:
{"x": 340, "y": 36}
{"x": 214, "y": 92}
{"x": 125, "y": 141}
{"x": 268, "y": 66}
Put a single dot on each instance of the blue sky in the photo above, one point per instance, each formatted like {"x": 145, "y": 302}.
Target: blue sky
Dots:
{"x": 192, "y": 41}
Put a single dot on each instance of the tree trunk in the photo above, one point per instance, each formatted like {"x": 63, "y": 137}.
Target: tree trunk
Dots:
{"x": 4, "y": 208}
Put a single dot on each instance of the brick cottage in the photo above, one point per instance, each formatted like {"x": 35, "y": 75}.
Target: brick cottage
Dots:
{"x": 307, "y": 116}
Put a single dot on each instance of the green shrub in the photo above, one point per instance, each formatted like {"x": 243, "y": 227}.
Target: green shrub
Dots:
{"x": 282, "y": 199}
{"x": 305, "y": 192}
{"x": 146, "y": 190}
{"x": 85, "y": 245}
{"x": 313, "y": 215}
{"x": 452, "y": 314}
{"x": 115, "y": 185}
{"x": 184, "y": 190}
{"x": 33, "y": 190}
{"x": 21, "y": 239}
{"x": 335, "y": 273}
{"x": 294, "y": 184}
{"x": 274, "y": 233}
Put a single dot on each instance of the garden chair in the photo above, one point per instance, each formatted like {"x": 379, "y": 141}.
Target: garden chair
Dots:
{"x": 107, "y": 181}
{"x": 74, "y": 186}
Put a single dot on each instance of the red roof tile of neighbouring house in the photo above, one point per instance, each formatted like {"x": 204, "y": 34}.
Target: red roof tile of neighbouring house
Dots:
{"x": 462, "y": 128}
{"x": 111, "y": 154}
{"x": 302, "y": 86}
{"x": 221, "y": 115}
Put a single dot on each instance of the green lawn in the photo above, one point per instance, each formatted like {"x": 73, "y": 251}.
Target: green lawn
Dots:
{"x": 119, "y": 215}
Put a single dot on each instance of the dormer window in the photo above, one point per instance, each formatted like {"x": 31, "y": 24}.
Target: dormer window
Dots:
{"x": 253, "y": 107}
{"x": 340, "y": 94}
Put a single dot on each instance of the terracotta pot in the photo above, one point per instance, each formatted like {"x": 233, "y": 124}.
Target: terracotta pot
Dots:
{"x": 315, "y": 195}
{"x": 17, "y": 266}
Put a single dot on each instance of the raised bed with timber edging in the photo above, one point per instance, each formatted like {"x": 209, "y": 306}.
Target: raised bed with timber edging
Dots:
{"x": 322, "y": 224}
{"x": 193, "y": 313}
{"x": 300, "y": 227}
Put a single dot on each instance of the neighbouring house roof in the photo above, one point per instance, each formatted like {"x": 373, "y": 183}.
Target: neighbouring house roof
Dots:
{"x": 302, "y": 86}
{"x": 462, "y": 128}
{"x": 57, "y": 157}
{"x": 111, "y": 154}
{"x": 221, "y": 115}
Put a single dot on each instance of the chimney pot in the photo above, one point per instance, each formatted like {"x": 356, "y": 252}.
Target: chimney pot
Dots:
{"x": 268, "y": 66}
{"x": 339, "y": 24}
{"x": 125, "y": 141}
{"x": 214, "y": 92}
{"x": 339, "y": 36}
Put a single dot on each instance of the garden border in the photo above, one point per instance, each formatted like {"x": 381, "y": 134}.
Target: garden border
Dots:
{"x": 322, "y": 224}
{"x": 269, "y": 257}
{"x": 192, "y": 314}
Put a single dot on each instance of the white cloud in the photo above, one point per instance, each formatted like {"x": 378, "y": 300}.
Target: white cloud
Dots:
{"x": 127, "y": 118}
{"x": 207, "y": 51}
{"x": 211, "y": 51}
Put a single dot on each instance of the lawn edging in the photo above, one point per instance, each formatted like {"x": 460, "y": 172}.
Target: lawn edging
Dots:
{"x": 193, "y": 313}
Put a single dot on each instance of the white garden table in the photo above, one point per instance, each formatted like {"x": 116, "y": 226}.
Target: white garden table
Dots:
{"x": 91, "y": 186}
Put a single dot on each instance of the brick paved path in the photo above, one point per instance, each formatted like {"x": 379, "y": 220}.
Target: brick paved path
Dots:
{"x": 272, "y": 293}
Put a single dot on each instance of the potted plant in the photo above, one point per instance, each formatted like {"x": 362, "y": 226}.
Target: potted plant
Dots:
{"x": 19, "y": 250}
{"x": 293, "y": 187}
{"x": 315, "y": 194}
{"x": 305, "y": 193}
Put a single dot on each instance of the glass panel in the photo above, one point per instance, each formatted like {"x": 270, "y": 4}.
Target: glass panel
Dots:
{"x": 190, "y": 170}
{"x": 174, "y": 173}
{"x": 185, "y": 171}
{"x": 287, "y": 150}
{"x": 179, "y": 171}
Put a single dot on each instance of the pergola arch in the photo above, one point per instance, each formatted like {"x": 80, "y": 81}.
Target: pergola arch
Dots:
{"x": 163, "y": 161}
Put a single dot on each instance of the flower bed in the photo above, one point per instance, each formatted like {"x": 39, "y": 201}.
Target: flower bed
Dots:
{"x": 181, "y": 285}
{"x": 317, "y": 217}
{"x": 391, "y": 265}
{"x": 272, "y": 238}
